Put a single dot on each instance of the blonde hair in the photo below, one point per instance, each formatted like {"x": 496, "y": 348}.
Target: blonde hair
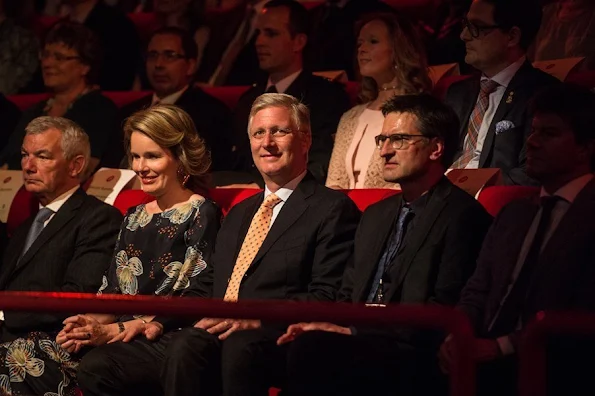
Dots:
{"x": 74, "y": 142}
{"x": 300, "y": 115}
{"x": 409, "y": 58}
{"x": 171, "y": 127}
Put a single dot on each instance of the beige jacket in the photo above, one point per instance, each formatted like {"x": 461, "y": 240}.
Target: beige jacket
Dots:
{"x": 340, "y": 172}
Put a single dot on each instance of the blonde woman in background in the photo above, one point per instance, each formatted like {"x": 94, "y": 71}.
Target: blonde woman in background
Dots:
{"x": 391, "y": 61}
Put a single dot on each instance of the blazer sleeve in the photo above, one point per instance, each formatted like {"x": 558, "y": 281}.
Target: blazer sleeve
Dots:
{"x": 95, "y": 243}
{"x": 334, "y": 247}
{"x": 337, "y": 172}
{"x": 201, "y": 238}
{"x": 518, "y": 174}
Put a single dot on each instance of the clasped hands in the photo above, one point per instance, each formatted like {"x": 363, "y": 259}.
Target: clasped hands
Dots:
{"x": 85, "y": 330}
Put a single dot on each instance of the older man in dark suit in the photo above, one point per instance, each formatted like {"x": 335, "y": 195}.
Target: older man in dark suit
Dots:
{"x": 65, "y": 247}
{"x": 539, "y": 254}
{"x": 282, "y": 30}
{"x": 418, "y": 247}
{"x": 493, "y": 108}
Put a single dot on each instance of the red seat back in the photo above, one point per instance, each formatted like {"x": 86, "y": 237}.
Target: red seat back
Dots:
{"x": 122, "y": 98}
{"x": 23, "y": 206}
{"x": 368, "y": 196}
{"x": 228, "y": 95}
{"x": 495, "y": 198}
{"x": 146, "y": 23}
{"x": 25, "y": 101}
{"x": 129, "y": 198}
{"x": 226, "y": 198}
{"x": 584, "y": 78}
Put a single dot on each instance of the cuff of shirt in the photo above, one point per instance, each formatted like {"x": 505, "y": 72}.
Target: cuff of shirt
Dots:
{"x": 505, "y": 345}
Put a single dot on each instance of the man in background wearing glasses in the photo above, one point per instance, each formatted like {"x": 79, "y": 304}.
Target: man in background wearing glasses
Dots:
{"x": 171, "y": 64}
{"x": 492, "y": 107}
{"x": 418, "y": 247}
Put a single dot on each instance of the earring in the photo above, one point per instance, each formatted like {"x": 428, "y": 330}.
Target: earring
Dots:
{"x": 183, "y": 176}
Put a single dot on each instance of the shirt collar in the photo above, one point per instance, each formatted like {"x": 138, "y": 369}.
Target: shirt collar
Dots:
{"x": 571, "y": 189}
{"x": 283, "y": 84}
{"x": 57, "y": 203}
{"x": 284, "y": 192}
{"x": 504, "y": 77}
{"x": 169, "y": 99}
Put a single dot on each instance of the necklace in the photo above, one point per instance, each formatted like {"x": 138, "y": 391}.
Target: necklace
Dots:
{"x": 389, "y": 88}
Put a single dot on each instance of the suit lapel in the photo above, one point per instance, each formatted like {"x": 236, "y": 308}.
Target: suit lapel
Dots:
{"x": 508, "y": 102}
{"x": 60, "y": 219}
{"x": 14, "y": 249}
{"x": 296, "y": 88}
{"x": 434, "y": 207}
{"x": 378, "y": 242}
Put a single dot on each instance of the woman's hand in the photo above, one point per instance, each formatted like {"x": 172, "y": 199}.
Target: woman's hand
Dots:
{"x": 132, "y": 328}
{"x": 84, "y": 330}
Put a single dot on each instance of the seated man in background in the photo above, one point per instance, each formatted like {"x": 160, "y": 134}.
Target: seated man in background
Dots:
{"x": 539, "y": 254}
{"x": 418, "y": 247}
{"x": 171, "y": 64}
{"x": 65, "y": 247}
{"x": 281, "y": 31}
{"x": 493, "y": 108}
{"x": 290, "y": 242}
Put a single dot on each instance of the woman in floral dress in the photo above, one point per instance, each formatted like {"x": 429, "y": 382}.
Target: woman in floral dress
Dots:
{"x": 163, "y": 247}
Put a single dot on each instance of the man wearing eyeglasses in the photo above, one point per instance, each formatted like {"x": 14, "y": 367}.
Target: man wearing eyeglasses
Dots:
{"x": 493, "y": 107}
{"x": 418, "y": 247}
{"x": 170, "y": 64}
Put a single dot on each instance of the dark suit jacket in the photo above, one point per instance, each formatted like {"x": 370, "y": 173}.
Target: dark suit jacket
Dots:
{"x": 505, "y": 150}
{"x": 436, "y": 260}
{"x": 211, "y": 117}
{"x": 70, "y": 255}
{"x": 327, "y": 102}
{"x": 564, "y": 277}
{"x": 304, "y": 253}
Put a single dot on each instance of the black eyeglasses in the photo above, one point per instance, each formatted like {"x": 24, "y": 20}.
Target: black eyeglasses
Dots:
{"x": 276, "y": 133}
{"x": 398, "y": 141}
{"x": 168, "y": 56}
{"x": 57, "y": 56}
{"x": 475, "y": 30}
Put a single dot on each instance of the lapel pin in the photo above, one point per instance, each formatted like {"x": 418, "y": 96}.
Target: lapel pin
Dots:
{"x": 510, "y": 97}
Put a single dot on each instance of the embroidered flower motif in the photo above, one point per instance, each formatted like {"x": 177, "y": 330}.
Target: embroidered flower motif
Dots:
{"x": 503, "y": 126}
{"x": 20, "y": 361}
{"x": 57, "y": 354}
{"x": 5, "y": 385}
{"x": 103, "y": 285}
{"x": 127, "y": 270}
{"x": 182, "y": 213}
{"x": 139, "y": 218}
{"x": 181, "y": 273}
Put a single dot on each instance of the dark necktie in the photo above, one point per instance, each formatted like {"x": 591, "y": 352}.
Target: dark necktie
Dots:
{"x": 512, "y": 308}
{"x": 272, "y": 89}
{"x": 390, "y": 252}
{"x": 42, "y": 216}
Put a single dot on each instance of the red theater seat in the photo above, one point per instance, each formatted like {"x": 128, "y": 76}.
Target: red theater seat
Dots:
{"x": 122, "y": 98}
{"x": 584, "y": 78}
{"x": 23, "y": 205}
{"x": 368, "y": 196}
{"x": 226, "y": 198}
{"x": 146, "y": 23}
{"x": 129, "y": 198}
{"x": 496, "y": 197}
{"x": 23, "y": 102}
{"x": 228, "y": 95}
{"x": 352, "y": 89}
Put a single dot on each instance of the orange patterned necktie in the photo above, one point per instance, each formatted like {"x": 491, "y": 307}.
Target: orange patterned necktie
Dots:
{"x": 470, "y": 144}
{"x": 259, "y": 228}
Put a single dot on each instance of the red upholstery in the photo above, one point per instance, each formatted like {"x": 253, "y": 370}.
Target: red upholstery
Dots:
{"x": 40, "y": 24}
{"x": 122, "y": 98}
{"x": 226, "y": 198}
{"x": 496, "y": 197}
{"x": 366, "y": 197}
{"x": 584, "y": 78}
{"x": 23, "y": 206}
{"x": 228, "y": 95}
{"x": 23, "y": 102}
{"x": 352, "y": 88}
{"x": 129, "y": 198}
{"x": 146, "y": 23}
{"x": 442, "y": 85}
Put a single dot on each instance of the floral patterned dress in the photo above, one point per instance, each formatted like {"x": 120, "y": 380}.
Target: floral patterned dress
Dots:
{"x": 161, "y": 254}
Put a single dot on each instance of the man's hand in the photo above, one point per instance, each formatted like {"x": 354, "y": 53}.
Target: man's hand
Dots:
{"x": 153, "y": 330}
{"x": 445, "y": 354}
{"x": 295, "y": 330}
{"x": 84, "y": 330}
{"x": 484, "y": 350}
{"x": 225, "y": 327}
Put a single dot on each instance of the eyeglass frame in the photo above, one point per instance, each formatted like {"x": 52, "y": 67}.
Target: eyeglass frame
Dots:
{"x": 477, "y": 29}
{"x": 168, "y": 56}
{"x": 59, "y": 57}
{"x": 274, "y": 132}
{"x": 381, "y": 139}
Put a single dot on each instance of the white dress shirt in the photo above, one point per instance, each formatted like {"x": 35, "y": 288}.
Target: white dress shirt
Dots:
{"x": 283, "y": 84}
{"x": 503, "y": 79}
{"x": 283, "y": 193}
{"x": 169, "y": 99}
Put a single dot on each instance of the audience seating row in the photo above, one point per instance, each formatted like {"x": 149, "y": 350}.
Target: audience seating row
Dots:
{"x": 492, "y": 198}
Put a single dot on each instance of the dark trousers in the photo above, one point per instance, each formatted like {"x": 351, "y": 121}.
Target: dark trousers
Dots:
{"x": 321, "y": 363}
{"x": 186, "y": 362}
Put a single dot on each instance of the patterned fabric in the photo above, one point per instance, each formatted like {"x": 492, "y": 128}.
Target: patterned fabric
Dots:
{"x": 18, "y": 57}
{"x": 487, "y": 87}
{"x": 158, "y": 254}
{"x": 259, "y": 228}
{"x": 338, "y": 174}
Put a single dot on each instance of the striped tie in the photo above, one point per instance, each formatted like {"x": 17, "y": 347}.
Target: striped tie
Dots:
{"x": 487, "y": 87}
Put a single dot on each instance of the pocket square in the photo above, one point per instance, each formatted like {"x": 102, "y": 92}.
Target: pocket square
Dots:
{"x": 503, "y": 126}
